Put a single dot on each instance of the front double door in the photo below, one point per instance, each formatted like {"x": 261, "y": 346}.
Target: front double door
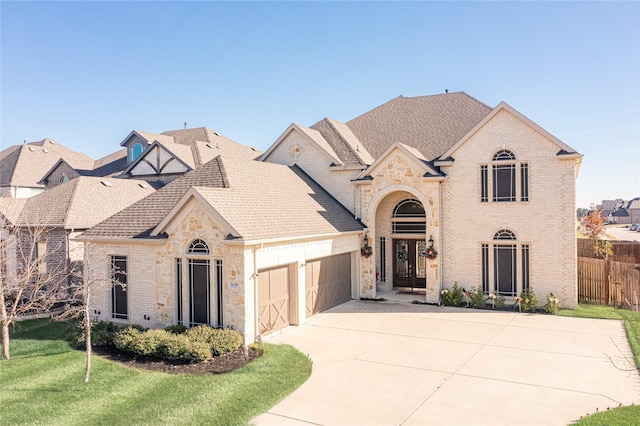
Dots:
{"x": 409, "y": 263}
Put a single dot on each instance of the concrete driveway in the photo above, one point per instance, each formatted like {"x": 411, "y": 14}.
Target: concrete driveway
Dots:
{"x": 402, "y": 364}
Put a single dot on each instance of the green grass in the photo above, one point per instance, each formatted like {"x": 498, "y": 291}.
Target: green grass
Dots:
{"x": 42, "y": 383}
{"x": 624, "y": 415}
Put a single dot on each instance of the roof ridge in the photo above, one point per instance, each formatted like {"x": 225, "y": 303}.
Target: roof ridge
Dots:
{"x": 75, "y": 182}
{"x": 344, "y": 141}
{"x": 299, "y": 171}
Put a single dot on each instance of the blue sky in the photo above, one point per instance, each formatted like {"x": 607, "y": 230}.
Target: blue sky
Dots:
{"x": 87, "y": 73}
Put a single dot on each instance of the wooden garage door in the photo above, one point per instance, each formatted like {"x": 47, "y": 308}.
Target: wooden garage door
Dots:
{"x": 328, "y": 283}
{"x": 273, "y": 299}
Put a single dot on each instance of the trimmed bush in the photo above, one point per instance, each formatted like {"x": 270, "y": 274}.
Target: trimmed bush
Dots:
{"x": 126, "y": 338}
{"x": 103, "y": 333}
{"x": 221, "y": 341}
{"x": 225, "y": 341}
{"x": 150, "y": 342}
{"x": 177, "y": 347}
{"x": 176, "y": 329}
{"x": 529, "y": 300}
{"x": 201, "y": 333}
{"x": 451, "y": 297}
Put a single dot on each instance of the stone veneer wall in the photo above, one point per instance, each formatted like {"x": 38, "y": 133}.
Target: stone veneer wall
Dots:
{"x": 394, "y": 179}
{"x": 546, "y": 222}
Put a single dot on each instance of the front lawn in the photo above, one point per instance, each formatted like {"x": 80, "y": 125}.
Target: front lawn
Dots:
{"x": 42, "y": 383}
{"x": 622, "y": 416}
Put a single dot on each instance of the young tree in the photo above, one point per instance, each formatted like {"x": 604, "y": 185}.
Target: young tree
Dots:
{"x": 86, "y": 281}
{"x": 593, "y": 224}
{"x": 29, "y": 283}
{"x": 594, "y": 227}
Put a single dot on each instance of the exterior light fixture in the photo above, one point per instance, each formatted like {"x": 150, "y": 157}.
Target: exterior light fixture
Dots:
{"x": 431, "y": 241}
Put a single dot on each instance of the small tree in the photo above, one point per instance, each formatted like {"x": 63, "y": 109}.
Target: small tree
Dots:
{"x": 594, "y": 227}
{"x": 29, "y": 284}
{"x": 594, "y": 224}
{"x": 85, "y": 281}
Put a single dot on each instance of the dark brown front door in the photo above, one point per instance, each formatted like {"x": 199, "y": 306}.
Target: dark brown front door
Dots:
{"x": 409, "y": 267}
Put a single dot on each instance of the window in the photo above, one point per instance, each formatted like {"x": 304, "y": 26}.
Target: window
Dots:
{"x": 500, "y": 261}
{"x": 179, "y": 290}
{"x": 503, "y": 181}
{"x": 119, "y": 287}
{"x": 64, "y": 178}
{"x": 41, "y": 256}
{"x": 409, "y": 218}
{"x": 219, "y": 284}
{"x": 198, "y": 247}
{"x": 134, "y": 152}
{"x": 383, "y": 260}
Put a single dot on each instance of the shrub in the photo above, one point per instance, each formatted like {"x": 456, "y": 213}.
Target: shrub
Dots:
{"x": 201, "y": 333}
{"x": 150, "y": 343}
{"x": 178, "y": 347}
{"x": 451, "y": 297}
{"x": 477, "y": 299}
{"x": 221, "y": 341}
{"x": 225, "y": 341}
{"x": 125, "y": 339}
{"x": 176, "y": 329}
{"x": 529, "y": 300}
{"x": 103, "y": 333}
{"x": 553, "y": 304}
{"x": 500, "y": 301}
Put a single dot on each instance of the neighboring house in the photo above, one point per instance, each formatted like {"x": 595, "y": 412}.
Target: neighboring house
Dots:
{"x": 60, "y": 214}
{"x": 23, "y": 166}
{"x": 415, "y": 195}
{"x": 161, "y": 158}
{"x": 625, "y": 212}
{"x": 109, "y": 166}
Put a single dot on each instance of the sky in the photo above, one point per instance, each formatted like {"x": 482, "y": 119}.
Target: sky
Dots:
{"x": 86, "y": 74}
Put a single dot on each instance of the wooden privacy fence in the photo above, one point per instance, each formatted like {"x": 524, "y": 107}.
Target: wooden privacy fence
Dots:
{"x": 608, "y": 282}
{"x": 623, "y": 251}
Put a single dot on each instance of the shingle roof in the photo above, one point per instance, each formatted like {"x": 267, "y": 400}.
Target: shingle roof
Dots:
{"x": 82, "y": 202}
{"x": 633, "y": 204}
{"x": 218, "y": 145}
{"x": 258, "y": 202}
{"x": 25, "y": 165}
{"x": 10, "y": 209}
{"x": 340, "y": 146}
{"x": 139, "y": 219}
{"x": 431, "y": 124}
{"x": 254, "y": 197}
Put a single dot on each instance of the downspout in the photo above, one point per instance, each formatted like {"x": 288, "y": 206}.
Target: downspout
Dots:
{"x": 256, "y": 322}
{"x": 440, "y": 238}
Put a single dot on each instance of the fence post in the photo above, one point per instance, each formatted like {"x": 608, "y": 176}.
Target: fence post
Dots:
{"x": 607, "y": 280}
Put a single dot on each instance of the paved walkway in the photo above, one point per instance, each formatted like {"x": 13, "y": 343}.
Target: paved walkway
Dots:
{"x": 402, "y": 364}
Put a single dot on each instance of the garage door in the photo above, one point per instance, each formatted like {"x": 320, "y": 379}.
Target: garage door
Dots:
{"x": 273, "y": 299}
{"x": 328, "y": 282}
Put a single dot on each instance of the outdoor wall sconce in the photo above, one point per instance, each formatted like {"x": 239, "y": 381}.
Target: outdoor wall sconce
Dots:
{"x": 431, "y": 241}
{"x": 366, "y": 250}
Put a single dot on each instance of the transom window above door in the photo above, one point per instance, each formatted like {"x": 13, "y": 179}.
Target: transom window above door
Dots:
{"x": 408, "y": 217}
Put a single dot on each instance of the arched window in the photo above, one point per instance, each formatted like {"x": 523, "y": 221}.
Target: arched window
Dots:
{"x": 409, "y": 208}
{"x": 504, "y": 234}
{"x": 198, "y": 247}
{"x": 135, "y": 152}
{"x": 505, "y": 264}
{"x": 409, "y": 218}
{"x": 504, "y": 155}
{"x": 502, "y": 185}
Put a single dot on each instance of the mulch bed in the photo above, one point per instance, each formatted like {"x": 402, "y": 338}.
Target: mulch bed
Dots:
{"x": 216, "y": 365}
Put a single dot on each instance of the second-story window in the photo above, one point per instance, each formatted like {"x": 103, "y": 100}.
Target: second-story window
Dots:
{"x": 502, "y": 185}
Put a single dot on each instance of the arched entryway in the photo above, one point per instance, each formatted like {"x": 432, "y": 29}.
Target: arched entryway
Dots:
{"x": 401, "y": 237}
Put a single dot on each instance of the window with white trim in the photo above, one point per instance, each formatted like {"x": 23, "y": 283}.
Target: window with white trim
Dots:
{"x": 502, "y": 184}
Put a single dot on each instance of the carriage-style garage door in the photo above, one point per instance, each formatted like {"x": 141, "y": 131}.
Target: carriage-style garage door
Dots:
{"x": 328, "y": 282}
{"x": 273, "y": 299}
